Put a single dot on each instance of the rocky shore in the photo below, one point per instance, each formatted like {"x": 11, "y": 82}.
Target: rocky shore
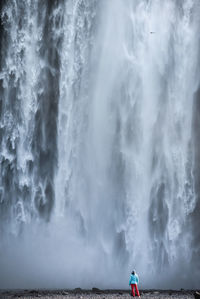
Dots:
{"x": 97, "y": 294}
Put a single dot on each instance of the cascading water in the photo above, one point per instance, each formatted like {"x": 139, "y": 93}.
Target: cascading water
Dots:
{"x": 99, "y": 132}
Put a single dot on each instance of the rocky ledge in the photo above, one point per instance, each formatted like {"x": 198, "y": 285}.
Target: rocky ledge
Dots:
{"x": 96, "y": 293}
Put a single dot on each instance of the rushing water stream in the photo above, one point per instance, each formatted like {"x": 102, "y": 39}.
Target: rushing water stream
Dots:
{"x": 99, "y": 143}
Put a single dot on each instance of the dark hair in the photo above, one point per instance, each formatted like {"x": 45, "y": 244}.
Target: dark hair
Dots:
{"x": 133, "y": 272}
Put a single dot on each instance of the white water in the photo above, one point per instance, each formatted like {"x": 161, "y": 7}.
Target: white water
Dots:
{"x": 112, "y": 185}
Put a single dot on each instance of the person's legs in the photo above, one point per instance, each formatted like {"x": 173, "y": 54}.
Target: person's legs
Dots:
{"x": 133, "y": 291}
{"x": 137, "y": 291}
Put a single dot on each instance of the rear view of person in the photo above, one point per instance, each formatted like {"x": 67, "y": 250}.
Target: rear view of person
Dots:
{"x": 133, "y": 282}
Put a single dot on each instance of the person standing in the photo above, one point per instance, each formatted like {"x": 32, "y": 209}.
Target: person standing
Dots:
{"x": 133, "y": 282}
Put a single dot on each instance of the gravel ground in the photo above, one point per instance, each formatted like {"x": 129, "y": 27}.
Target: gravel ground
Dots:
{"x": 96, "y": 294}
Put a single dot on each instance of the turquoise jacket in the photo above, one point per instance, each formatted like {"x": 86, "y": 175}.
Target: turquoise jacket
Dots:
{"x": 134, "y": 279}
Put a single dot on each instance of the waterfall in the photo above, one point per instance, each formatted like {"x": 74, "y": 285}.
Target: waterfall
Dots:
{"x": 99, "y": 134}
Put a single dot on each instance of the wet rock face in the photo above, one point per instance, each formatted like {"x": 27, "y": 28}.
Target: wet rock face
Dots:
{"x": 194, "y": 216}
{"x": 29, "y": 102}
